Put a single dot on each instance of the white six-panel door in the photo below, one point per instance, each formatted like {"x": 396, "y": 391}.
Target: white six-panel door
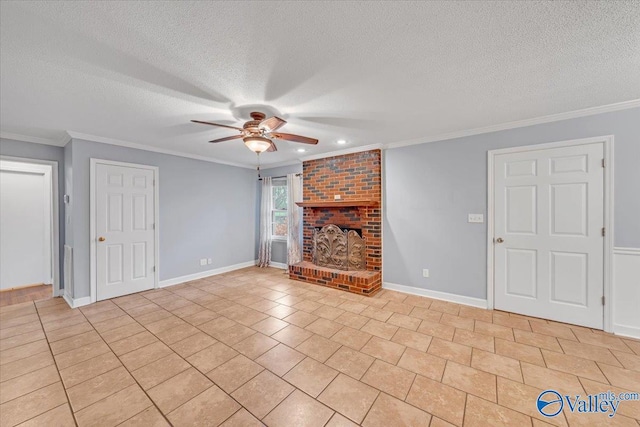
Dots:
{"x": 124, "y": 226}
{"x": 548, "y": 222}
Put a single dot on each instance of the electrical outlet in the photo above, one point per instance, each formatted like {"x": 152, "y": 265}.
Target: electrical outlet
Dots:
{"x": 425, "y": 272}
{"x": 203, "y": 261}
{"x": 337, "y": 197}
{"x": 209, "y": 261}
{"x": 476, "y": 218}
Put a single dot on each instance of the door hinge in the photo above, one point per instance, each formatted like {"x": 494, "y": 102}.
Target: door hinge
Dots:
{"x": 603, "y": 232}
{"x": 602, "y": 162}
{"x": 153, "y": 268}
{"x": 153, "y": 226}
{"x": 602, "y": 299}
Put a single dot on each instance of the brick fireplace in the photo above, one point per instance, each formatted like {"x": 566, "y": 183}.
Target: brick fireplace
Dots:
{"x": 356, "y": 178}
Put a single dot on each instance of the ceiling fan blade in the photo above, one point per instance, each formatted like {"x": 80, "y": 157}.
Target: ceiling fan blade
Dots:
{"x": 271, "y": 124}
{"x": 273, "y": 147}
{"x": 217, "y": 124}
{"x": 294, "y": 138}
{"x": 228, "y": 138}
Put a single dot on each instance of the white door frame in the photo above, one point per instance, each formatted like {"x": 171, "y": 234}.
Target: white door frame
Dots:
{"x": 607, "y": 140}
{"x": 55, "y": 226}
{"x": 92, "y": 221}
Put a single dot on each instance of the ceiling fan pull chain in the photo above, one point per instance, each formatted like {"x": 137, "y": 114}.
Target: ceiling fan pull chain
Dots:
{"x": 258, "y": 168}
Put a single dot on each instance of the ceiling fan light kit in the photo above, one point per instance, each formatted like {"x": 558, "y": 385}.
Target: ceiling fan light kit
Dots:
{"x": 257, "y": 144}
{"x": 256, "y": 133}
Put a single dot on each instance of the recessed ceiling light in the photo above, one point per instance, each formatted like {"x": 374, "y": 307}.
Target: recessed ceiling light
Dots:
{"x": 301, "y": 150}
{"x": 341, "y": 141}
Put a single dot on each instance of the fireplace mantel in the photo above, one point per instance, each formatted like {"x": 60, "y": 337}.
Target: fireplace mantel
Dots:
{"x": 338, "y": 203}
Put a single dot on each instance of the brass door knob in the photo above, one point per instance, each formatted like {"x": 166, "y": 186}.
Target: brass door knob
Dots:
{"x": 101, "y": 239}
{"x": 499, "y": 240}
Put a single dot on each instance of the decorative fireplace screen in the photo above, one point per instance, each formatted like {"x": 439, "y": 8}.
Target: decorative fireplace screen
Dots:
{"x": 337, "y": 248}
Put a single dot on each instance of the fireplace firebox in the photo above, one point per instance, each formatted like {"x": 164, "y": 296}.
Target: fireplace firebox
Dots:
{"x": 338, "y": 247}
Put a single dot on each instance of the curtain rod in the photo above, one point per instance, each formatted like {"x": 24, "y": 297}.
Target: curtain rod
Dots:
{"x": 276, "y": 177}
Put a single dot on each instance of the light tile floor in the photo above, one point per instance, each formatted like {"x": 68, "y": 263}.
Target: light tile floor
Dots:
{"x": 251, "y": 347}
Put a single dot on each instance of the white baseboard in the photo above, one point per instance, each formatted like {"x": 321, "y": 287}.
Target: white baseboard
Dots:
{"x": 281, "y": 265}
{"x": 626, "y": 331}
{"x": 444, "y": 296}
{"x": 77, "y": 302}
{"x": 202, "y": 274}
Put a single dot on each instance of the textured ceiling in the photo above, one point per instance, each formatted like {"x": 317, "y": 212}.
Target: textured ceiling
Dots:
{"x": 366, "y": 72}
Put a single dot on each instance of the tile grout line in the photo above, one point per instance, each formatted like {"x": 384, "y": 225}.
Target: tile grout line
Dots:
{"x": 379, "y": 391}
{"x": 55, "y": 363}
{"x": 129, "y": 372}
{"x": 241, "y": 304}
{"x": 190, "y": 364}
{"x": 372, "y": 404}
{"x": 229, "y": 394}
{"x": 134, "y": 378}
{"x": 267, "y": 369}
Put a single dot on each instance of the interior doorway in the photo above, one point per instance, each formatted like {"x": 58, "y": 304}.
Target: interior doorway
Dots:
{"x": 550, "y": 231}
{"x": 124, "y": 231}
{"x": 28, "y": 230}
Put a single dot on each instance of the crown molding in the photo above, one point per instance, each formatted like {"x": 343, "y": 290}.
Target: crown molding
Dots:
{"x": 35, "y": 139}
{"x": 137, "y": 146}
{"x": 343, "y": 152}
{"x": 519, "y": 123}
{"x": 65, "y": 139}
{"x": 280, "y": 164}
{"x": 634, "y": 103}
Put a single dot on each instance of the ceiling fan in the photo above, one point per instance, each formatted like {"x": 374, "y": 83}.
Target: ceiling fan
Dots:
{"x": 256, "y": 133}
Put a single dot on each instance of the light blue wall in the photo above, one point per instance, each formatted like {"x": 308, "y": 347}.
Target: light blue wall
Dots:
{"x": 29, "y": 150}
{"x": 278, "y": 247}
{"x": 206, "y": 211}
{"x": 430, "y": 188}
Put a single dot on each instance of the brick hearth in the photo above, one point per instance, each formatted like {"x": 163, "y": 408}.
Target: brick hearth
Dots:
{"x": 359, "y": 282}
{"x": 357, "y": 179}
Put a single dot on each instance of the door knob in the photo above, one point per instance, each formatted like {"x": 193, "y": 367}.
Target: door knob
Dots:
{"x": 499, "y": 240}
{"x": 101, "y": 239}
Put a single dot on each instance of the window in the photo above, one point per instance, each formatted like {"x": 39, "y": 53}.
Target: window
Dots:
{"x": 279, "y": 210}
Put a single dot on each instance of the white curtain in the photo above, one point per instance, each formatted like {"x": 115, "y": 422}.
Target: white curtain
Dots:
{"x": 294, "y": 236}
{"x": 264, "y": 252}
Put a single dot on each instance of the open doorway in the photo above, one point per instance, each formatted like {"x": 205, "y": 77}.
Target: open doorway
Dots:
{"x": 28, "y": 230}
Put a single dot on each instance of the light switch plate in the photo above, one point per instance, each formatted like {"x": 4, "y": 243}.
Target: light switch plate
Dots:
{"x": 425, "y": 272}
{"x": 476, "y": 218}
{"x": 336, "y": 197}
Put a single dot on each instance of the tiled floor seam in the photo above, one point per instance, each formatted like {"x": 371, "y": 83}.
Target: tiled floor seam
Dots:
{"x": 282, "y": 378}
{"x": 228, "y": 394}
{"x": 139, "y": 385}
{"x": 233, "y": 301}
{"x": 190, "y": 364}
{"x": 373, "y": 404}
{"x": 55, "y": 363}
{"x": 601, "y": 371}
{"x": 242, "y": 406}
{"x": 280, "y": 403}
{"x": 117, "y": 391}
